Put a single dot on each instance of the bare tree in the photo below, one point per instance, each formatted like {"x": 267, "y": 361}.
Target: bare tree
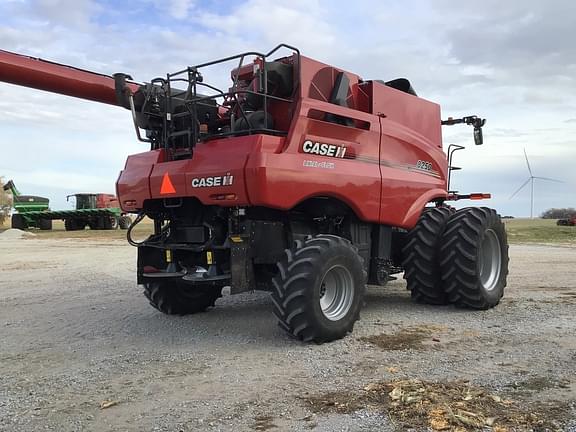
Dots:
{"x": 559, "y": 213}
{"x": 5, "y": 202}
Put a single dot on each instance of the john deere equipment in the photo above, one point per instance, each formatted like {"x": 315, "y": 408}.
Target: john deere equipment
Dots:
{"x": 97, "y": 211}
{"x": 26, "y": 206}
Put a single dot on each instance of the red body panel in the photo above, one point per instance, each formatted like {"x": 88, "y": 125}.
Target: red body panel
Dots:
{"x": 106, "y": 201}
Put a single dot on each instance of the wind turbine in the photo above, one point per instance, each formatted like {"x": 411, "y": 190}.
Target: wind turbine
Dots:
{"x": 531, "y": 181}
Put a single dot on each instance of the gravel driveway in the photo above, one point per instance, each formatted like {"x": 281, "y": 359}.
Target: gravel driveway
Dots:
{"x": 80, "y": 348}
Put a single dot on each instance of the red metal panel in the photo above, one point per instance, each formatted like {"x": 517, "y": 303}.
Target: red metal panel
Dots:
{"x": 57, "y": 78}
{"x": 284, "y": 180}
{"x": 415, "y": 113}
{"x": 406, "y": 186}
{"x": 212, "y": 159}
{"x": 133, "y": 185}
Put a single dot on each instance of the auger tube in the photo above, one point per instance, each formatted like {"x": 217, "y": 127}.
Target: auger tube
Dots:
{"x": 58, "y": 78}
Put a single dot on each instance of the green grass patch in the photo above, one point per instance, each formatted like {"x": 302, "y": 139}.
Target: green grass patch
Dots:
{"x": 539, "y": 231}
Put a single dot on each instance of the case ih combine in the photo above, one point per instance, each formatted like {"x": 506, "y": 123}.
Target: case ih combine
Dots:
{"x": 301, "y": 179}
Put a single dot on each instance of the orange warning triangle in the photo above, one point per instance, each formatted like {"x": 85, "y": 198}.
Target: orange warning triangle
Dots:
{"x": 167, "y": 186}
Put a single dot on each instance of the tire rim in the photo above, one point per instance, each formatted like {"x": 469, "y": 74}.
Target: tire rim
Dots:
{"x": 336, "y": 293}
{"x": 490, "y": 260}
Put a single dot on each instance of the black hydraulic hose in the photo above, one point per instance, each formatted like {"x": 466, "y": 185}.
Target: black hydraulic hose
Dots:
{"x": 131, "y": 227}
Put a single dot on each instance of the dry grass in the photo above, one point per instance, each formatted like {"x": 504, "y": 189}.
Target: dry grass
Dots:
{"x": 451, "y": 406}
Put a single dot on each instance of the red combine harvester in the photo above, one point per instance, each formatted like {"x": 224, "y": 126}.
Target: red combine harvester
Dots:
{"x": 301, "y": 179}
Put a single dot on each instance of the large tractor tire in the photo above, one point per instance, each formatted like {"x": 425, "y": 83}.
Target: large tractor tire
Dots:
{"x": 45, "y": 224}
{"x": 124, "y": 222}
{"x": 113, "y": 223}
{"x": 319, "y": 288}
{"x": 173, "y": 298}
{"x": 18, "y": 222}
{"x": 421, "y": 263}
{"x": 73, "y": 225}
{"x": 474, "y": 258}
{"x": 108, "y": 223}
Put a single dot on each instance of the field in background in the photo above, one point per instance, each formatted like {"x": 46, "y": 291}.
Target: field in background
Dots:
{"x": 141, "y": 231}
{"x": 539, "y": 231}
{"x": 519, "y": 231}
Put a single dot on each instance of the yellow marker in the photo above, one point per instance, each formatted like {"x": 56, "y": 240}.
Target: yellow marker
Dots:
{"x": 236, "y": 239}
{"x": 209, "y": 257}
{"x": 168, "y": 256}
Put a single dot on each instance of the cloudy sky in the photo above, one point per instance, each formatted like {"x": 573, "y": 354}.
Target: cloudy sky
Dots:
{"x": 512, "y": 62}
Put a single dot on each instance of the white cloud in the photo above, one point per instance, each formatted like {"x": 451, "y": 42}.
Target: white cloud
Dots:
{"x": 178, "y": 9}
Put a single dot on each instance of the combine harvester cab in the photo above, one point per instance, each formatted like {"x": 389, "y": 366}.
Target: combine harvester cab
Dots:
{"x": 299, "y": 178}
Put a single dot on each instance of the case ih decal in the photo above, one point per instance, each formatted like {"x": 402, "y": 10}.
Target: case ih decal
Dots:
{"x": 216, "y": 181}
{"x": 323, "y": 149}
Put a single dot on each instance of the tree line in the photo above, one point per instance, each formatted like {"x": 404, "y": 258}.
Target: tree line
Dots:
{"x": 559, "y": 213}
{"x": 5, "y": 202}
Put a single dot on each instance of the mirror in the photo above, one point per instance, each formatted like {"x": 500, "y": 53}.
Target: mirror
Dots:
{"x": 478, "y": 138}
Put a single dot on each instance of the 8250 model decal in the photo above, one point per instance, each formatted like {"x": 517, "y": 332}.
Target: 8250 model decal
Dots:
{"x": 424, "y": 165}
{"x": 323, "y": 149}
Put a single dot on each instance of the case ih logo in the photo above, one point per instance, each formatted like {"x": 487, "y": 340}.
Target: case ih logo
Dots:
{"x": 323, "y": 149}
{"x": 226, "y": 180}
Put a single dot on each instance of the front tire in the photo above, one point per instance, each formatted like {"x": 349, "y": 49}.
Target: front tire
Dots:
{"x": 319, "y": 288}
{"x": 474, "y": 258}
{"x": 421, "y": 264}
{"x": 173, "y": 298}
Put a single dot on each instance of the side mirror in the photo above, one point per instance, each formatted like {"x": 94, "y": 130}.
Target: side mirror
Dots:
{"x": 478, "y": 138}
{"x": 474, "y": 121}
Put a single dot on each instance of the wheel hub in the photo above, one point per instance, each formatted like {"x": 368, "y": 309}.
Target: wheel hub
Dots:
{"x": 490, "y": 260}
{"x": 336, "y": 293}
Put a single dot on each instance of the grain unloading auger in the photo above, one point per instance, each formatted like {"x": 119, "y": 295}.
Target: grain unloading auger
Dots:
{"x": 301, "y": 179}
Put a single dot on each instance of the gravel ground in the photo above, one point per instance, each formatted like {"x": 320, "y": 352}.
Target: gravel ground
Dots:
{"x": 75, "y": 331}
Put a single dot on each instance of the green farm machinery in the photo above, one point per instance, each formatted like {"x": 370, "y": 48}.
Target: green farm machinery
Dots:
{"x": 28, "y": 208}
{"x": 96, "y": 211}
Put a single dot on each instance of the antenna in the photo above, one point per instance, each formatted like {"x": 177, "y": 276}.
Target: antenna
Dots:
{"x": 531, "y": 181}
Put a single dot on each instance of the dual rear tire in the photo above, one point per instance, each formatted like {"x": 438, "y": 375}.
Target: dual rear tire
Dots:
{"x": 457, "y": 257}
